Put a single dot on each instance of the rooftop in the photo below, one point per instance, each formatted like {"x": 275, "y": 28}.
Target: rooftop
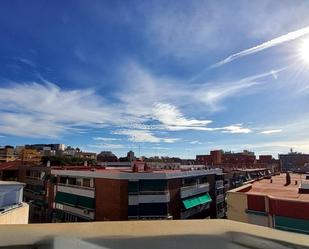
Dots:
{"x": 278, "y": 189}
{"x": 11, "y": 183}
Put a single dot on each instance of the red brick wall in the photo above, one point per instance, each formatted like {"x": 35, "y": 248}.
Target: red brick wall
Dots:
{"x": 293, "y": 209}
{"x": 256, "y": 202}
{"x": 111, "y": 199}
{"x": 175, "y": 200}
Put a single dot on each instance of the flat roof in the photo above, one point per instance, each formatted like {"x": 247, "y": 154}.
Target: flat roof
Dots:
{"x": 11, "y": 183}
{"x": 278, "y": 189}
{"x": 128, "y": 174}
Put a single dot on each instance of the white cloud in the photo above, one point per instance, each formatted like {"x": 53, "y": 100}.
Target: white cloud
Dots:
{"x": 107, "y": 146}
{"x": 105, "y": 139}
{"x": 169, "y": 115}
{"x": 268, "y": 44}
{"x": 195, "y": 142}
{"x": 140, "y": 136}
{"x": 237, "y": 128}
{"x": 47, "y": 110}
{"x": 271, "y": 131}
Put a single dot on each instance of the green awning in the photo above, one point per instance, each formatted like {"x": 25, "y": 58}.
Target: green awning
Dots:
{"x": 204, "y": 198}
{"x": 197, "y": 200}
{"x": 74, "y": 200}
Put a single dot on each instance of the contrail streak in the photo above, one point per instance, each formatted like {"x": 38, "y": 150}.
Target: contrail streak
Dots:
{"x": 271, "y": 43}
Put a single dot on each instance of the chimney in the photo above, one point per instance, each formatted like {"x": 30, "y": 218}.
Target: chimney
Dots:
{"x": 287, "y": 179}
{"x": 135, "y": 168}
{"x": 146, "y": 167}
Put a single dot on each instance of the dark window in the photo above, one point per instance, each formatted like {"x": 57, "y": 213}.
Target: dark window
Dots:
{"x": 27, "y": 172}
{"x": 152, "y": 185}
{"x": 86, "y": 182}
{"x": 132, "y": 210}
{"x": 72, "y": 181}
{"x": 189, "y": 181}
{"x": 63, "y": 180}
{"x": 153, "y": 209}
{"x": 133, "y": 187}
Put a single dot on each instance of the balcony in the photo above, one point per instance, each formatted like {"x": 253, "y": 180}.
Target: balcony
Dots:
{"x": 140, "y": 234}
{"x": 192, "y": 211}
{"x": 191, "y": 190}
{"x": 149, "y": 198}
{"x": 76, "y": 190}
{"x": 219, "y": 184}
{"x": 220, "y": 198}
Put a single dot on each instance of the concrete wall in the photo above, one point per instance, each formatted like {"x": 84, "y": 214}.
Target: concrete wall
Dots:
{"x": 18, "y": 215}
{"x": 237, "y": 206}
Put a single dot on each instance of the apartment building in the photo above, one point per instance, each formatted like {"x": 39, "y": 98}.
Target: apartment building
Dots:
{"x": 89, "y": 194}
{"x": 293, "y": 161}
{"x": 36, "y": 191}
{"x": 281, "y": 202}
{"x": 12, "y": 208}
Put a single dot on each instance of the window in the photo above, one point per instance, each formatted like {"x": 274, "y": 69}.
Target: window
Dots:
{"x": 133, "y": 187}
{"x": 133, "y": 210}
{"x": 203, "y": 180}
{"x": 153, "y": 209}
{"x": 86, "y": 182}
{"x": 63, "y": 180}
{"x": 152, "y": 185}
{"x": 27, "y": 172}
{"x": 189, "y": 181}
{"x": 71, "y": 181}
{"x": 79, "y": 181}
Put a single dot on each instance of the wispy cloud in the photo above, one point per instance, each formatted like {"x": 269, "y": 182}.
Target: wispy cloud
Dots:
{"x": 268, "y": 44}
{"x": 107, "y": 146}
{"x": 271, "y": 131}
{"x": 140, "y": 136}
{"x": 105, "y": 139}
{"x": 235, "y": 129}
{"x": 170, "y": 116}
{"x": 195, "y": 142}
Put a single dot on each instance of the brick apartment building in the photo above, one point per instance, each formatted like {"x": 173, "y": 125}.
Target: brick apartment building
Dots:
{"x": 88, "y": 194}
{"x": 230, "y": 161}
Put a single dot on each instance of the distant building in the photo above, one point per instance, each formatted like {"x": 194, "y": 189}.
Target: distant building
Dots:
{"x": 7, "y": 154}
{"x": 86, "y": 155}
{"x": 139, "y": 193}
{"x": 281, "y": 202}
{"x": 130, "y": 156}
{"x": 30, "y": 156}
{"x": 12, "y": 208}
{"x": 230, "y": 161}
{"x": 106, "y": 156}
{"x": 293, "y": 161}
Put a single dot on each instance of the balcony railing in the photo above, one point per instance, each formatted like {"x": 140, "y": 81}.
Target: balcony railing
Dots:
{"x": 220, "y": 198}
{"x": 192, "y": 211}
{"x": 194, "y": 189}
{"x": 219, "y": 184}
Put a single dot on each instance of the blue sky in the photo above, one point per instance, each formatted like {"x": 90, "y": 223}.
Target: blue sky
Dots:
{"x": 171, "y": 77}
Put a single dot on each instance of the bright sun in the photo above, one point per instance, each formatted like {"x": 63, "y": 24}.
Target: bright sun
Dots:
{"x": 304, "y": 51}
